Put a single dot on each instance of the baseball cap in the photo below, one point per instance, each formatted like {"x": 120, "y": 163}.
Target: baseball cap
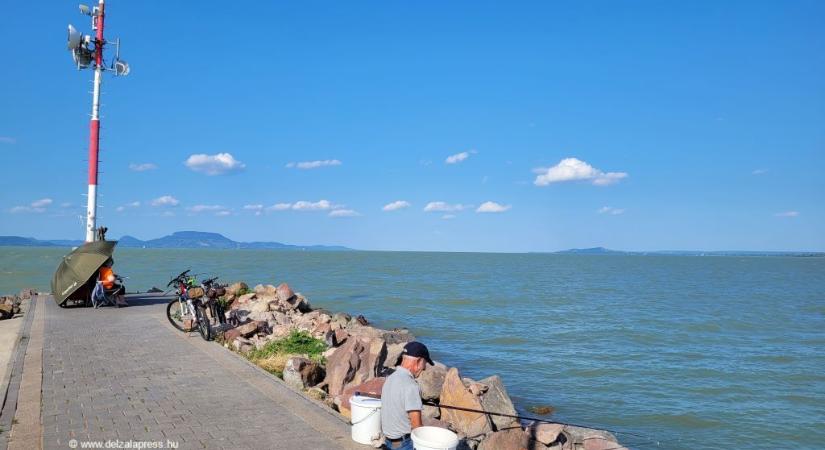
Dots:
{"x": 418, "y": 350}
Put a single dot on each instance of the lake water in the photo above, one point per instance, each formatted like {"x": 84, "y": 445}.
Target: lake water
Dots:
{"x": 696, "y": 352}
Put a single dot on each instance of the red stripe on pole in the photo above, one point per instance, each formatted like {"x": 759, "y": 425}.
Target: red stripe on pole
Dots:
{"x": 94, "y": 140}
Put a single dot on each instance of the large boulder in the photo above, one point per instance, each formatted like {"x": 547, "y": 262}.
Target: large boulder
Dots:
{"x": 284, "y": 292}
{"x": 454, "y": 393}
{"x": 431, "y": 380}
{"x": 340, "y": 320}
{"x": 302, "y": 373}
{"x": 242, "y": 345}
{"x": 265, "y": 290}
{"x": 246, "y": 298}
{"x": 430, "y": 412}
{"x": 335, "y": 338}
{"x": 372, "y": 387}
{"x": 545, "y": 433}
{"x": 353, "y": 363}
{"x": 6, "y": 311}
{"x": 510, "y": 439}
{"x": 396, "y": 336}
{"x": 581, "y": 436}
{"x": 258, "y": 306}
{"x": 299, "y": 303}
{"x": 393, "y": 353}
{"x": 342, "y": 364}
{"x": 320, "y": 331}
{"x": 497, "y": 400}
{"x": 280, "y": 331}
{"x": 236, "y": 287}
{"x": 250, "y": 328}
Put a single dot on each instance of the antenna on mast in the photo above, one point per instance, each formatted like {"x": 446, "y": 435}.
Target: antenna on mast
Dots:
{"x": 87, "y": 51}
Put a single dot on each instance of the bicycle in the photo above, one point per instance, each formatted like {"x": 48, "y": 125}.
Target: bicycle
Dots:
{"x": 214, "y": 292}
{"x": 187, "y": 312}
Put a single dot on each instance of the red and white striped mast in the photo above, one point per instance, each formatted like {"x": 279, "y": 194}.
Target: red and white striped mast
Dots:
{"x": 87, "y": 51}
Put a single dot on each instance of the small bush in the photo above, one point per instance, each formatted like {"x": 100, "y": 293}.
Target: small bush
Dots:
{"x": 273, "y": 356}
{"x": 297, "y": 343}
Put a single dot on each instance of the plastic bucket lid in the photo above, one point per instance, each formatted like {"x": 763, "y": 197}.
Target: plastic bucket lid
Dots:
{"x": 365, "y": 402}
{"x": 434, "y": 438}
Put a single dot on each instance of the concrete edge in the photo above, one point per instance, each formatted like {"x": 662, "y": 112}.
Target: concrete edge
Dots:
{"x": 25, "y": 306}
{"x": 27, "y": 428}
{"x": 15, "y": 373}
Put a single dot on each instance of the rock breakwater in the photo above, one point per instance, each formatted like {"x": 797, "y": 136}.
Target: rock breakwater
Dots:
{"x": 272, "y": 325}
{"x": 10, "y": 304}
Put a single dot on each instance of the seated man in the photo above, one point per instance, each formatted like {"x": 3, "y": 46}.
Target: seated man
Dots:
{"x": 109, "y": 282}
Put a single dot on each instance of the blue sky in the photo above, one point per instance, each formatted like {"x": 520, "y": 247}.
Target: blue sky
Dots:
{"x": 631, "y": 125}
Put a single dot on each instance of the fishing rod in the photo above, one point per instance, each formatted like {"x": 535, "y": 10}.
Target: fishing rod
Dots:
{"x": 512, "y": 416}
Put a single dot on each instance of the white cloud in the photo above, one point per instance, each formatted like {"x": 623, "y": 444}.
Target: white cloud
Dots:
{"x": 279, "y": 207}
{"x": 205, "y": 208}
{"x": 396, "y": 205}
{"x": 142, "y": 167}
{"x": 120, "y": 208}
{"x": 305, "y": 165}
{"x": 66, "y": 205}
{"x": 320, "y": 205}
{"x": 222, "y": 213}
{"x": 492, "y": 207}
{"x": 572, "y": 169}
{"x": 787, "y": 214}
{"x": 610, "y": 210}
{"x": 42, "y": 203}
{"x": 444, "y": 207}
{"x": 7, "y": 140}
{"x": 217, "y": 164}
{"x": 759, "y": 171}
{"x": 166, "y": 200}
{"x": 303, "y": 205}
{"x": 457, "y": 158}
{"x": 448, "y": 216}
{"x": 133, "y": 204}
{"x": 344, "y": 213}
{"x": 168, "y": 214}
{"x": 37, "y": 206}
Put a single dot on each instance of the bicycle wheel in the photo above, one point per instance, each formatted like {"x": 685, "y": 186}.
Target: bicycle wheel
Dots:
{"x": 204, "y": 328}
{"x": 219, "y": 313}
{"x": 179, "y": 316}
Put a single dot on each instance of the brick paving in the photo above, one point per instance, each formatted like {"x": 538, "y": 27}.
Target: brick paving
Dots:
{"x": 126, "y": 374}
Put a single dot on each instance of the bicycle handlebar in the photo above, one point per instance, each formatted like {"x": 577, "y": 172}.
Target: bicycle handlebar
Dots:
{"x": 178, "y": 278}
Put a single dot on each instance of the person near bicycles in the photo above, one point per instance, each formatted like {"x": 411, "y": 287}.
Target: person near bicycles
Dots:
{"x": 401, "y": 397}
{"x": 109, "y": 281}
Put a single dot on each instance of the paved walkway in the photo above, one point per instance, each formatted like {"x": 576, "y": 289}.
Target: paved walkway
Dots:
{"x": 126, "y": 374}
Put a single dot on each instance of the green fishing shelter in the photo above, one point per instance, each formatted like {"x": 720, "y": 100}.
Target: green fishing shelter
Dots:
{"x": 73, "y": 277}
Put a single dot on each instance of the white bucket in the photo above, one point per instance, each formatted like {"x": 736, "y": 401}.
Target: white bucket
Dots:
{"x": 434, "y": 438}
{"x": 366, "y": 418}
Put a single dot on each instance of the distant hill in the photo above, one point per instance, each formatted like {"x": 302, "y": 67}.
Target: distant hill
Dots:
{"x": 17, "y": 241}
{"x": 180, "y": 239}
{"x": 606, "y": 251}
{"x": 593, "y": 251}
